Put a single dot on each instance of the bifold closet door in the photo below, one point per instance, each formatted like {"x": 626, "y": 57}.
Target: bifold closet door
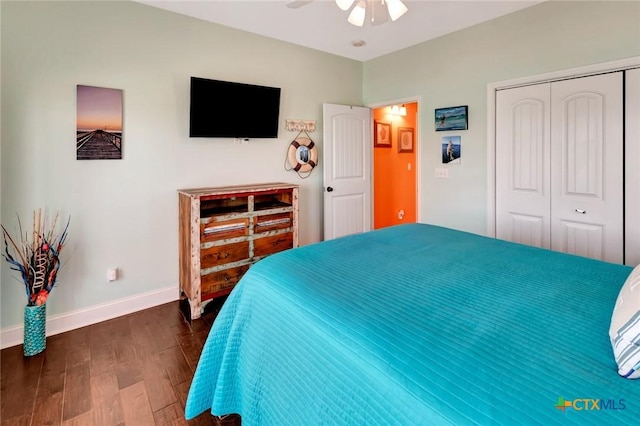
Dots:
{"x": 587, "y": 163}
{"x": 559, "y": 166}
{"x": 523, "y": 165}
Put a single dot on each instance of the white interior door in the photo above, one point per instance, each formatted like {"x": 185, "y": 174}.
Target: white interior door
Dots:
{"x": 559, "y": 166}
{"x": 587, "y": 162}
{"x": 347, "y": 170}
{"x": 522, "y": 158}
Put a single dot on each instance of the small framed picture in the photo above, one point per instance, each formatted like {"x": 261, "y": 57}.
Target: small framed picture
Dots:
{"x": 451, "y": 118}
{"x": 405, "y": 139}
{"x": 451, "y": 149}
{"x": 382, "y": 134}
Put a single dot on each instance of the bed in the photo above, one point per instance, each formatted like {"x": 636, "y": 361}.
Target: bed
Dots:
{"x": 417, "y": 324}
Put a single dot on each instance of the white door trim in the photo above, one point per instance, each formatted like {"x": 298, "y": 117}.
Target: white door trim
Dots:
{"x": 492, "y": 88}
{"x": 632, "y": 174}
{"x": 409, "y": 100}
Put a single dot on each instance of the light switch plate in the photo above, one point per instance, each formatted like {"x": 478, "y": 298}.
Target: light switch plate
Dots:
{"x": 442, "y": 173}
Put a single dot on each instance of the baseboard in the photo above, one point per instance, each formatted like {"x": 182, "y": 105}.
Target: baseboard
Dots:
{"x": 60, "y": 323}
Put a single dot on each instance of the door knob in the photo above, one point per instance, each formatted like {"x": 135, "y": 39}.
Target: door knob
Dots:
{"x": 329, "y": 189}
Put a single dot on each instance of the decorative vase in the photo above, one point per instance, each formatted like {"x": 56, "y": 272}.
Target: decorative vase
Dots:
{"x": 35, "y": 329}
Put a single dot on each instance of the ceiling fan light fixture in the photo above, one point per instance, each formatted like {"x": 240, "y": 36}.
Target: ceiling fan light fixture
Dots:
{"x": 396, "y": 9}
{"x": 344, "y": 4}
{"x": 356, "y": 17}
{"x": 378, "y": 12}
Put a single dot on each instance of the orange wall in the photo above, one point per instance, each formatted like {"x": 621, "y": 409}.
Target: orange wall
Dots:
{"x": 394, "y": 185}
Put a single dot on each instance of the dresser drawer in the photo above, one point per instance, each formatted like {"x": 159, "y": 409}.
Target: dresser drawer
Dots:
{"x": 275, "y": 243}
{"x": 228, "y": 253}
{"x": 220, "y": 280}
{"x": 271, "y": 222}
{"x": 211, "y": 230}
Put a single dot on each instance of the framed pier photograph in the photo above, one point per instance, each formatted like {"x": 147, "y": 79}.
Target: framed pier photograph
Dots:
{"x": 99, "y": 123}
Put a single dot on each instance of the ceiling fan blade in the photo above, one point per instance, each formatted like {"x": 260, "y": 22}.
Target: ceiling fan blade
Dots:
{"x": 294, "y": 4}
{"x": 379, "y": 13}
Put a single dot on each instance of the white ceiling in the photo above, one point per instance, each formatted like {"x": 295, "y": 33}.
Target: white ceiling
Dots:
{"x": 321, "y": 25}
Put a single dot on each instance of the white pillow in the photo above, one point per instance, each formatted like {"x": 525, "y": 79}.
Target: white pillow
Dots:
{"x": 625, "y": 327}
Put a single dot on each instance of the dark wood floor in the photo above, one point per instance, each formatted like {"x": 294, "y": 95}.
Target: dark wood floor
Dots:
{"x": 131, "y": 370}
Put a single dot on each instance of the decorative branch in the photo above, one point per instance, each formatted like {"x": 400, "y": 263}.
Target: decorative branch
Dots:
{"x": 37, "y": 259}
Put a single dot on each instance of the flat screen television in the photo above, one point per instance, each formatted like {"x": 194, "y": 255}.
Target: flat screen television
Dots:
{"x": 224, "y": 109}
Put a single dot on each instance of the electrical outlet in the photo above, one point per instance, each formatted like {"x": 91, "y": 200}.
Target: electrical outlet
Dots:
{"x": 112, "y": 274}
{"x": 442, "y": 173}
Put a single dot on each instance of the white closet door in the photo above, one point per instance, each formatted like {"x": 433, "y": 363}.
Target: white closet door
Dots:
{"x": 587, "y": 167}
{"x": 522, "y": 165}
{"x": 632, "y": 171}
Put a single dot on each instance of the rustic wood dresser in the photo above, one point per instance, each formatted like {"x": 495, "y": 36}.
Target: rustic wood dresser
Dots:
{"x": 224, "y": 230}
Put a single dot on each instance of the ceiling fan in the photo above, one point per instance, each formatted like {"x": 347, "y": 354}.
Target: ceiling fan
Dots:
{"x": 379, "y": 10}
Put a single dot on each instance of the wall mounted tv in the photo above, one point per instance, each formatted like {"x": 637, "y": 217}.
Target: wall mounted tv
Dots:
{"x": 223, "y": 109}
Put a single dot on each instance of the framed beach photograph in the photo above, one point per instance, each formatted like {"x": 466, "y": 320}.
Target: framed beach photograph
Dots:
{"x": 382, "y": 134}
{"x": 98, "y": 123}
{"x": 451, "y": 118}
{"x": 405, "y": 139}
{"x": 451, "y": 149}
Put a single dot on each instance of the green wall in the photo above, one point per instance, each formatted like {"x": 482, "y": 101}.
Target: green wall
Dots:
{"x": 455, "y": 70}
{"x": 124, "y": 212}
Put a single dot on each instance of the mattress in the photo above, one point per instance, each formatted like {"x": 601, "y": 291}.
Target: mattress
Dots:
{"x": 417, "y": 324}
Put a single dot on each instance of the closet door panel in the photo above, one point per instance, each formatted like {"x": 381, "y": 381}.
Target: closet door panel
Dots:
{"x": 586, "y": 167}
{"x": 522, "y": 165}
{"x": 583, "y": 239}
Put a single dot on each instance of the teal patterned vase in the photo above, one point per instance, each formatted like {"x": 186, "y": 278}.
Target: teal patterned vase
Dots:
{"x": 35, "y": 329}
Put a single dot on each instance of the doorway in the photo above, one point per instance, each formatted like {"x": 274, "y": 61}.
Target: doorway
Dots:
{"x": 395, "y": 155}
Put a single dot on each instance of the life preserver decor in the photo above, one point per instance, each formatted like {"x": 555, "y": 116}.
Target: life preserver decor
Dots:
{"x": 302, "y": 156}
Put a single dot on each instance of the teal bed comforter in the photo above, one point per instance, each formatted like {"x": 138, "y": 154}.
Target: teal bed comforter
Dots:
{"x": 417, "y": 325}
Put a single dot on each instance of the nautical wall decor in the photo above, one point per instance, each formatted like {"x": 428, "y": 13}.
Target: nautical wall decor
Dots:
{"x": 452, "y": 118}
